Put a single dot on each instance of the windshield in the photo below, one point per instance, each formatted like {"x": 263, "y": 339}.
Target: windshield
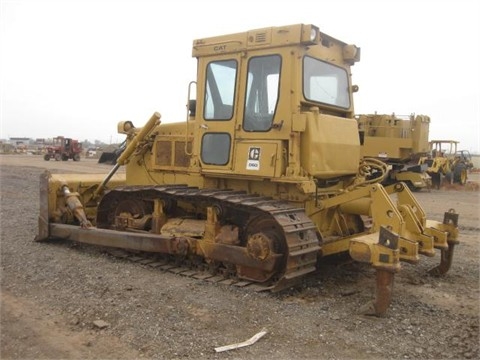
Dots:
{"x": 325, "y": 83}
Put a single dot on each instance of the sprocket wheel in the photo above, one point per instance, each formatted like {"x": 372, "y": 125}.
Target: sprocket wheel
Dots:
{"x": 263, "y": 239}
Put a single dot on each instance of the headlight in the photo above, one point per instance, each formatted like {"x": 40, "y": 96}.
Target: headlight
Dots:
{"x": 310, "y": 35}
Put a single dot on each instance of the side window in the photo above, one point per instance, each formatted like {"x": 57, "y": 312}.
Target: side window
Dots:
{"x": 220, "y": 90}
{"x": 215, "y": 148}
{"x": 325, "y": 83}
{"x": 262, "y": 92}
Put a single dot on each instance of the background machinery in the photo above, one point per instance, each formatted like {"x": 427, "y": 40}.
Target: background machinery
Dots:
{"x": 255, "y": 185}
{"x": 111, "y": 156}
{"x": 444, "y": 160}
{"x": 399, "y": 141}
{"x": 63, "y": 149}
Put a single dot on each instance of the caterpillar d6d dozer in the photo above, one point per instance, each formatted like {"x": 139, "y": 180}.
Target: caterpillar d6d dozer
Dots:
{"x": 263, "y": 179}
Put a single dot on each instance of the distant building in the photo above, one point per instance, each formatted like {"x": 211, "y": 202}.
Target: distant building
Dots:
{"x": 23, "y": 145}
{"x": 17, "y": 141}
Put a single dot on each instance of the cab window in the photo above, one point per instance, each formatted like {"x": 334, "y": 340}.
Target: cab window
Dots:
{"x": 220, "y": 90}
{"x": 325, "y": 83}
{"x": 215, "y": 148}
{"x": 262, "y": 92}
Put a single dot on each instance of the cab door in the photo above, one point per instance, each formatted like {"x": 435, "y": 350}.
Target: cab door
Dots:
{"x": 258, "y": 145}
{"x": 218, "y": 106}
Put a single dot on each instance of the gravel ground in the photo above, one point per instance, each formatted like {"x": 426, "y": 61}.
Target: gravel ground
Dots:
{"x": 53, "y": 293}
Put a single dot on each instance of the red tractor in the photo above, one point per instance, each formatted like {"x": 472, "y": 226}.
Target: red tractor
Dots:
{"x": 63, "y": 149}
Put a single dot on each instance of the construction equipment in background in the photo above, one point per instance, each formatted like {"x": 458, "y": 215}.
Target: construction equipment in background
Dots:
{"x": 63, "y": 149}
{"x": 399, "y": 141}
{"x": 256, "y": 186}
{"x": 110, "y": 157}
{"x": 445, "y": 161}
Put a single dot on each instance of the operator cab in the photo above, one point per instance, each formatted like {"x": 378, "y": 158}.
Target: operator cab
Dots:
{"x": 252, "y": 87}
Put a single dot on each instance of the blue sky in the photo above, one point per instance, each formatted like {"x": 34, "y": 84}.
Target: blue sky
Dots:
{"x": 76, "y": 68}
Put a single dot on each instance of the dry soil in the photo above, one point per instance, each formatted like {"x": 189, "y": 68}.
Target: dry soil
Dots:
{"x": 53, "y": 294}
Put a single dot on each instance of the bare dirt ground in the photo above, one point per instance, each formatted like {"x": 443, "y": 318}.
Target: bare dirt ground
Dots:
{"x": 52, "y": 293}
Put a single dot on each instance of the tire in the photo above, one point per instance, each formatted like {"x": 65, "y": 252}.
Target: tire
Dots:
{"x": 46, "y": 157}
{"x": 460, "y": 174}
{"x": 76, "y": 157}
{"x": 58, "y": 157}
{"x": 436, "y": 179}
{"x": 448, "y": 178}
{"x": 64, "y": 157}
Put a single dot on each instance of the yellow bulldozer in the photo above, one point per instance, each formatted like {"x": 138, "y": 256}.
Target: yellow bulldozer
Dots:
{"x": 399, "y": 141}
{"x": 445, "y": 161}
{"x": 261, "y": 182}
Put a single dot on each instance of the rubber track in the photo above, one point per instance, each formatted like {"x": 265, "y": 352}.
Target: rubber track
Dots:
{"x": 298, "y": 230}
